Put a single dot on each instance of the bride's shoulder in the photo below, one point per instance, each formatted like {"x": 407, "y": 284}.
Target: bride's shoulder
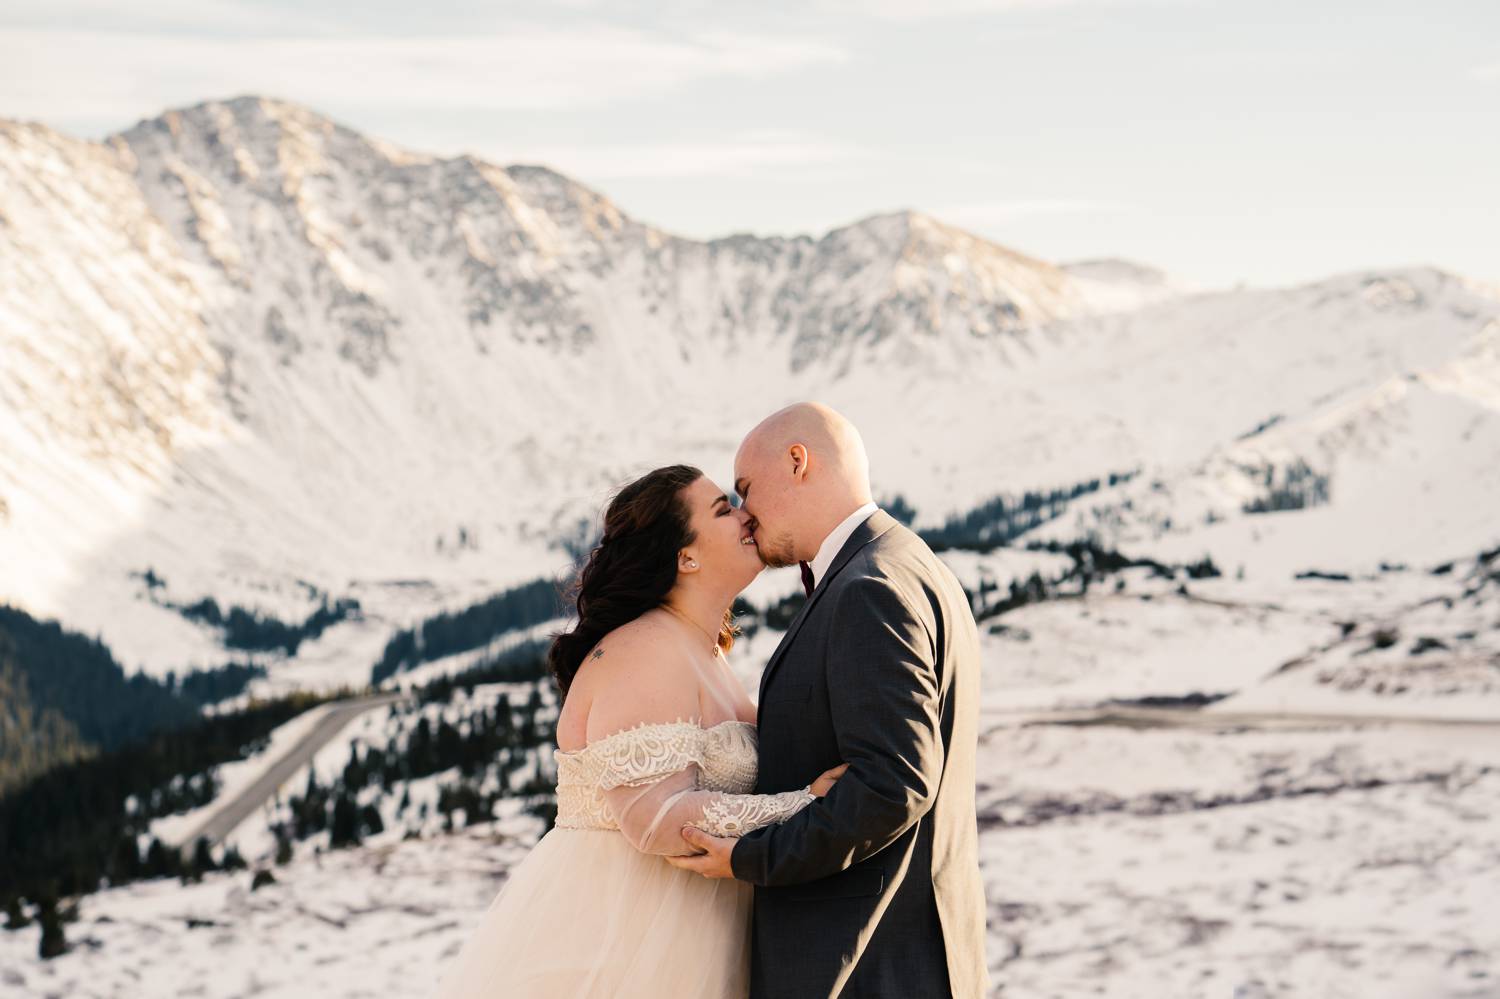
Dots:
{"x": 651, "y": 632}
{"x": 635, "y": 651}
{"x": 638, "y": 673}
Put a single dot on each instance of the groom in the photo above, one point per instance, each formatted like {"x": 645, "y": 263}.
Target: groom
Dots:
{"x": 872, "y": 890}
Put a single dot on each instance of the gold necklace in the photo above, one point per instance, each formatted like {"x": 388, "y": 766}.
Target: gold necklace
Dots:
{"x": 713, "y": 642}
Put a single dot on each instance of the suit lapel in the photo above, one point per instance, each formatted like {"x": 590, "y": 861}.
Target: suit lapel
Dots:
{"x": 874, "y": 526}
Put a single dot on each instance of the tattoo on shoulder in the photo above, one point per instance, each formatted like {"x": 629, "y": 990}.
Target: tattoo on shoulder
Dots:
{"x": 598, "y": 654}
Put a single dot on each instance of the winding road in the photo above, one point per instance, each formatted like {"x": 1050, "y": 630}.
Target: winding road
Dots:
{"x": 229, "y": 813}
{"x": 1135, "y": 716}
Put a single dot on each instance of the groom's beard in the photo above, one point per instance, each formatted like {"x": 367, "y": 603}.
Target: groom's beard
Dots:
{"x": 777, "y": 553}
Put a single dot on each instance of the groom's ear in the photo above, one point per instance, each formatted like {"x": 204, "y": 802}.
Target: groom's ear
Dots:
{"x": 800, "y": 460}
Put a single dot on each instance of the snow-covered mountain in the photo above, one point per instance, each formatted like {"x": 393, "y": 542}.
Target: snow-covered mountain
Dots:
{"x": 251, "y": 349}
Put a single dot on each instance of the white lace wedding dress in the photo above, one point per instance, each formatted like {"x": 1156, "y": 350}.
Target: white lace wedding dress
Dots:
{"x": 594, "y": 910}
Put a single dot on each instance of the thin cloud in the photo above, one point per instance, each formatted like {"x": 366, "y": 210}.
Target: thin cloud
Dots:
{"x": 62, "y": 76}
{"x": 171, "y": 17}
{"x": 985, "y": 213}
{"x": 745, "y": 155}
{"x": 912, "y": 10}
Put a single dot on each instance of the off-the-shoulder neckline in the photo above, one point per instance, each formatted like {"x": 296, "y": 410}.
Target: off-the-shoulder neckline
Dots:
{"x": 689, "y": 722}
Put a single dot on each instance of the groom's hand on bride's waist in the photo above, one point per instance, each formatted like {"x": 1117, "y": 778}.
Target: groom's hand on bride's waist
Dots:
{"x": 714, "y": 861}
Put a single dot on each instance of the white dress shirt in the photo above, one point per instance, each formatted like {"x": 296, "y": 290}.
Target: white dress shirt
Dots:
{"x": 835, "y": 540}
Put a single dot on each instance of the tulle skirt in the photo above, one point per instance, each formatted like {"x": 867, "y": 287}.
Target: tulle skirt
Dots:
{"x": 587, "y": 915}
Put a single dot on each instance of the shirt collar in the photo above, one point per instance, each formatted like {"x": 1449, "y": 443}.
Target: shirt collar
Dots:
{"x": 835, "y": 541}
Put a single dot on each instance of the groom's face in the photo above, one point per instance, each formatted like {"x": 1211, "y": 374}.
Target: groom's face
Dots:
{"x": 764, "y": 495}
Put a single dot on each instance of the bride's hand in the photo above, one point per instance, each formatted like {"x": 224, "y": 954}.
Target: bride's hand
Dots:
{"x": 825, "y": 783}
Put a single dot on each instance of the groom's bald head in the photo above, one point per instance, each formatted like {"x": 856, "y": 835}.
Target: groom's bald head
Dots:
{"x": 824, "y": 432}
{"x": 801, "y": 471}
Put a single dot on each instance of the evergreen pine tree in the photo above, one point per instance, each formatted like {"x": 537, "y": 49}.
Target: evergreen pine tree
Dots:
{"x": 53, "y": 941}
{"x": 203, "y": 858}
{"x": 355, "y": 773}
{"x": 345, "y": 828}
{"x": 15, "y": 914}
{"x": 370, "y": 819}
{"x": 160, "y": 861}
{"x": 232, "y": 860}
{"x": 283, "y": 847}
{"x": 125, "y": 865}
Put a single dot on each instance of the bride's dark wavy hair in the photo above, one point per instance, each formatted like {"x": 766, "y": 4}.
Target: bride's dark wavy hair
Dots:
{"x": 632, "y": 569}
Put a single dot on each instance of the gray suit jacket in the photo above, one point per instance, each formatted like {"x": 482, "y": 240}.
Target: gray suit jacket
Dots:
{"x": 873, "y": 890}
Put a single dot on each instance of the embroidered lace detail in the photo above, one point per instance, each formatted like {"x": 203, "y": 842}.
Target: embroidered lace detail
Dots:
{"x": 737, "y": 814}
{"x": 648, "y": 753}
{"x": 726, "y": 755}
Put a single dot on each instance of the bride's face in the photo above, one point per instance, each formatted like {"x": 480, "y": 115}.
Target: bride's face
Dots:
{"x": 723, "y": 546}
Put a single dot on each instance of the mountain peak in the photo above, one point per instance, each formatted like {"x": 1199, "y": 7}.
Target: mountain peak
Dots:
{"x": 251, "y": 127}
{"x": 1115, "y": 269}
{"x": 920, "y": 234}
{"x": 243, "y": 108}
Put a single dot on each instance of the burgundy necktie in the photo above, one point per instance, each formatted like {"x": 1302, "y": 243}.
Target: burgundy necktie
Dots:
{"x": 807, "y": 577}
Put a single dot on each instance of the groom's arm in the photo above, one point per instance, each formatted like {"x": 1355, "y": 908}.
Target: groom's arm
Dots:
{"x": 883, "y": 694}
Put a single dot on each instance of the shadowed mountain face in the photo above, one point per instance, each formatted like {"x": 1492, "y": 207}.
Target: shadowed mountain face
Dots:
{"x": 63, "y": 697}
{"x": 265, "y": 356}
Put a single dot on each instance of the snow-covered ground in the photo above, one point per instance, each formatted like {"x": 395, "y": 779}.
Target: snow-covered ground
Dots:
{"x": 1387, "y": 892}
{"x": 375, "y": 921}
{"x": 1301, "y": 883}
{"x": 1301, "y": 859}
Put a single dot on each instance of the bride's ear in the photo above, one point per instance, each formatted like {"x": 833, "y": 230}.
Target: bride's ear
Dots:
{"x": 686, "y": 563}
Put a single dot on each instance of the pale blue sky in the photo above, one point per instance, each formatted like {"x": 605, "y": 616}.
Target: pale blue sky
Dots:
{"x": 1268, "y": 142}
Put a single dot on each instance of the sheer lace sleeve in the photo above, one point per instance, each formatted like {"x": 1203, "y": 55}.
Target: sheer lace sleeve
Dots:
{"x": 649, "y": 752}
{"x": 651, "y": 780}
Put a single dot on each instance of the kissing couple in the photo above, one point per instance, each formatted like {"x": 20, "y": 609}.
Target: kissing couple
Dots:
{"x": 818, "y": 841}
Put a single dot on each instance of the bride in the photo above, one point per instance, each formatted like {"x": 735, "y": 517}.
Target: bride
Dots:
{"x": 655, "y": 733}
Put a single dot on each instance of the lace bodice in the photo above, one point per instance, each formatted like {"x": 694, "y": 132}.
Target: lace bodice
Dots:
{"x": 649, "y": 780}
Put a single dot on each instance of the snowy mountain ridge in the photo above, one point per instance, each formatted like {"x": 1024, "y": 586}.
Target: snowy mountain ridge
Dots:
{"x": 256, "y": 351}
